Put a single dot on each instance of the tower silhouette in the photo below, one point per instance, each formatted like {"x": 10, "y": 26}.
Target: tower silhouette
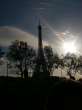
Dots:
{"x": 40, "y": 68}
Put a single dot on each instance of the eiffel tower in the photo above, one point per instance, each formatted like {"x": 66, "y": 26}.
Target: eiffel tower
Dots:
{"x": 40, "y": 68}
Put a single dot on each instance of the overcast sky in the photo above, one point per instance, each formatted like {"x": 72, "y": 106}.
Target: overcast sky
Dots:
{"x": 55, "y": 15}
{"x": 24, "y": 13}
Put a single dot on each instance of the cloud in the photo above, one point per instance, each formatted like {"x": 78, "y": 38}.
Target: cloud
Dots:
{"x": 9, "y": 34}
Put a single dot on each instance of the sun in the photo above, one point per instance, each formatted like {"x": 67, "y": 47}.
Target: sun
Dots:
{"x": 69, "y": 47}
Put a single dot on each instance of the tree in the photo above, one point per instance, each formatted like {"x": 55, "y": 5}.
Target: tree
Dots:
{"x": 72, "y": 64}
{"x": 61, "y": 64}
{"x": 1, "y": 55}
{"x": 49, "y": 56}
{"x": 56, "y": 60}
{"x": 22, "y": 54}
{"x": 1, "y": 52}
{"x": 79, "y": 64}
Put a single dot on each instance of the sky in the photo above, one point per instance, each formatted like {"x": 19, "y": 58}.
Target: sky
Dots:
{"x": 56, "y": 16}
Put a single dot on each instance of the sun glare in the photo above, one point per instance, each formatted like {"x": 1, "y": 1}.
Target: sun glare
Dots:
{"x": 69, "y": 47}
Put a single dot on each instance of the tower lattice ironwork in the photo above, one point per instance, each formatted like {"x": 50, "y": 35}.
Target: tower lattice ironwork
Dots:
{"x": 40, "y": 68}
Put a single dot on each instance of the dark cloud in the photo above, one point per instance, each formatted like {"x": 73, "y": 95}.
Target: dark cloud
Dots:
{"x": 61, "y": 15}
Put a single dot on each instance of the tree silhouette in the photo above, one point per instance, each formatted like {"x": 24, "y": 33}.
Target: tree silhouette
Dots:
{"x": 49, "y": 58}
{"x": 72, "y": 64}
{"x": 1, "y": 52}
{"x": 22, "y": 54}
{"x": 79, "y": 64}
{"x": 61, "y": 64}
{"x": 56, "y": 60}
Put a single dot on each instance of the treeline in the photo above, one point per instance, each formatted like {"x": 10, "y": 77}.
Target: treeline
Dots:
{"x": 24, "y": 58}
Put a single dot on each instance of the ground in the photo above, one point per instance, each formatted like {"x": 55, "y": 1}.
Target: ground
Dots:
{"x": 44, "y": 94}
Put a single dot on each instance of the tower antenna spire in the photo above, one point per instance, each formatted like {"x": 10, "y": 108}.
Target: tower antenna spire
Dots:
{"x": 41, "y": 67}
{"x": 39, "y": 22}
